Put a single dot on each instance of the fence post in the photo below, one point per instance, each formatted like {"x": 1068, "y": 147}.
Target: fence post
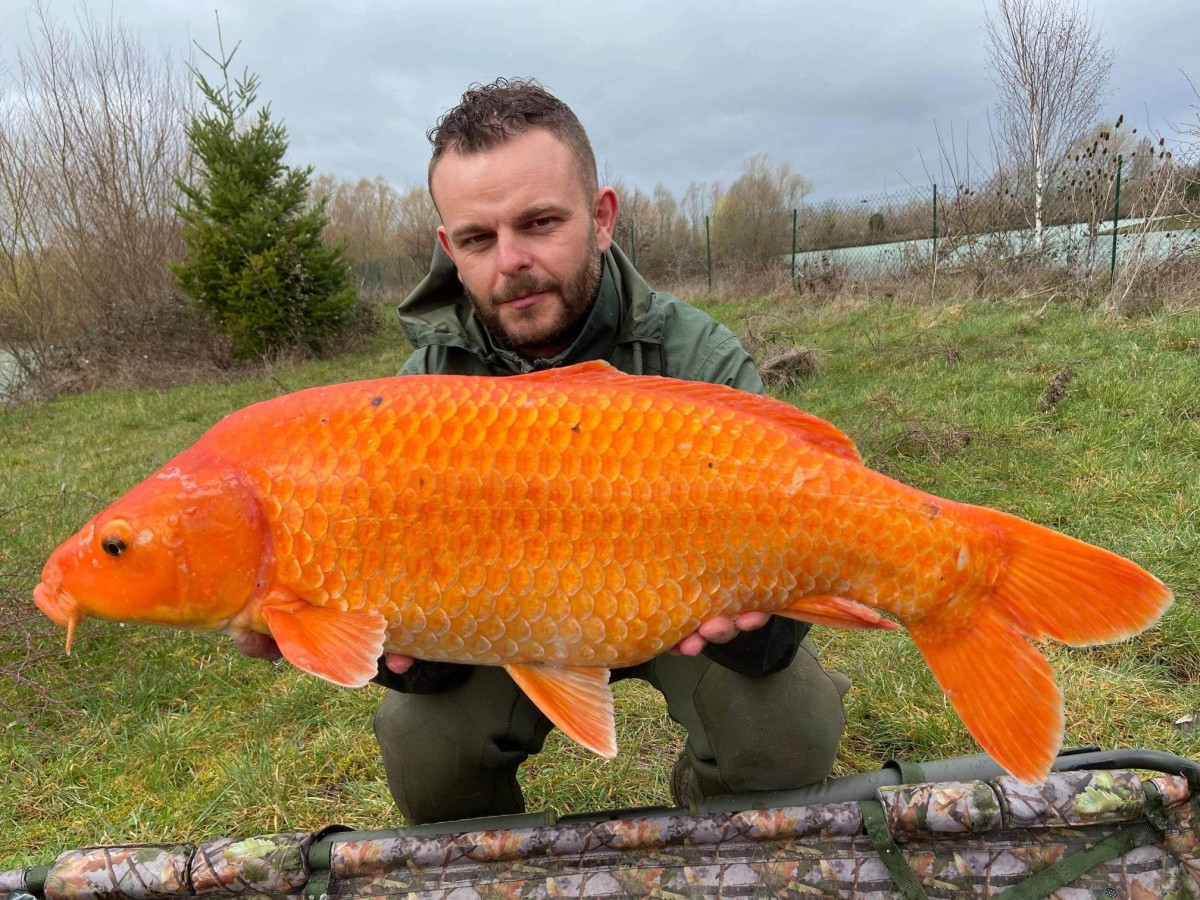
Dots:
{"x": 708, "y": 250}
{"x": 633, "y": 244}
{"x": 1112, "y": 266}
{"x": 935, "y": 226}
{"x": 794, "y": 217}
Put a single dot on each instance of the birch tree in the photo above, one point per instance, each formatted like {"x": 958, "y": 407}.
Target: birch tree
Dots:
{"x": 1051, "y": 71}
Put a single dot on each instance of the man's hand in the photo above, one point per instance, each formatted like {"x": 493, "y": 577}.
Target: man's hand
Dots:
{"x": 398, "y": 662}
{"x": 259, "y": 646}
{"x": 263, "y": 646}
{"x": 719, "y": 630}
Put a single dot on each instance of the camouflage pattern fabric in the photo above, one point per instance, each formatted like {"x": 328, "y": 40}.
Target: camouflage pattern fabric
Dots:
{"x": 960, "y": 839}
{"x": 273, "y": 866}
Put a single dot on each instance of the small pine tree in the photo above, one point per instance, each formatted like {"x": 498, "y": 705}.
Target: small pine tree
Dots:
{"x": 256, "y": 262}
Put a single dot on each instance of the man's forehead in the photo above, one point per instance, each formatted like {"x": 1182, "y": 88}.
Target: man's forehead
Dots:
{"x": 536, "y": 155}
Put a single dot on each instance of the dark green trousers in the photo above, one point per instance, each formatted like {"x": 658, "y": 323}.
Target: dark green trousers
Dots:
{"x": 455, "y": 754}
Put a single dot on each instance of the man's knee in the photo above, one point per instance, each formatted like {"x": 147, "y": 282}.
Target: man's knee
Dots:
{"x": 432, "y": 761}
{"x": 417, "y": 720}
{"x": 773, "y": 733}
{"x": 454, "y": 754}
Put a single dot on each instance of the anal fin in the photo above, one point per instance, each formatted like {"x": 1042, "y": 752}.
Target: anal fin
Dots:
{"x": 836, "y": 612}
{"x": 342, "y": 647}
{"x": 577, "y": 700}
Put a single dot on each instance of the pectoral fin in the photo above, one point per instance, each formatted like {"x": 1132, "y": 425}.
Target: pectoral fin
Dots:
{"x": 579, "y": 701}
{"x": 837, "y": 612}
{"x": 342, "y": 647}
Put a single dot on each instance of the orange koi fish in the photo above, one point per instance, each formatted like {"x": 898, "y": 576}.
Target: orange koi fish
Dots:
{"x": 564, "y": 523}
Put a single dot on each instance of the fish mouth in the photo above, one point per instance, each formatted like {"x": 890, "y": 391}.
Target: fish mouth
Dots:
{"x": 60, "y": 607}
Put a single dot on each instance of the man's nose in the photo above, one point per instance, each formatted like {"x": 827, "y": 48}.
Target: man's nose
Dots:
{"x": 512, "y": 254}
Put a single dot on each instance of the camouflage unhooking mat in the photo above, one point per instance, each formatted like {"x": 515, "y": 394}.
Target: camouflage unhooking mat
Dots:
{"x": 1096, "y": 828}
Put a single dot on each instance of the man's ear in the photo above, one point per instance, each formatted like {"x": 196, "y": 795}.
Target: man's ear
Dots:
{"x": 604, "y": 214}
{"x": 444, "y": 240}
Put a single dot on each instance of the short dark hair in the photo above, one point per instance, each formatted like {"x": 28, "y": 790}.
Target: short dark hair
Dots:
{"x": 491, "y": 114}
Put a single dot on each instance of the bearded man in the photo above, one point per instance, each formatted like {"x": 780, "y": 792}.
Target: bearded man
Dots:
{"x": 526, "y": 277}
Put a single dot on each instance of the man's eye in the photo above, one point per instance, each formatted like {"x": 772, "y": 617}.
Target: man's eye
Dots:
{"x": 543, "y": 222}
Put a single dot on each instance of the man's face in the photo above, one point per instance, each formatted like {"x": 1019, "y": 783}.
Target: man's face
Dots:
{"x": 526, "y": 238}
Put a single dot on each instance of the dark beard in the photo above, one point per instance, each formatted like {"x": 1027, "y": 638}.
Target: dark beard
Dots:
{"x": 577, "y": 295}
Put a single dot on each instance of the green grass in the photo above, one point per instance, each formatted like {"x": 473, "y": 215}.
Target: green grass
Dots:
{"x": 149, "y": 735}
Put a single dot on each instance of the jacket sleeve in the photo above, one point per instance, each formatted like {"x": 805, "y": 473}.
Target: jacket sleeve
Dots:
{"x": 764, "y": 651}
{"x": 424, "y": 677}
{"x": 417, "y": 363}
{"x": 727, "y": 363}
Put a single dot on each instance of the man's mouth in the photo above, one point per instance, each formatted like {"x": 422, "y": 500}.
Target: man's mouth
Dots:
{"x": 526, "y": 301}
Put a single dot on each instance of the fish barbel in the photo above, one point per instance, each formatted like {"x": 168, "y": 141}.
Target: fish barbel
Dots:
{"x": 567, "y": 522}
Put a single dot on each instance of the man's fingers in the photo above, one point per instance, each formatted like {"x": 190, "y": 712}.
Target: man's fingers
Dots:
{"x": 259, "y": 646}
{"x": 752, "y": 620}
{"x": 691, "y": 645}
{"x": 718, "y": 630}
{"x": 398, "y": 662}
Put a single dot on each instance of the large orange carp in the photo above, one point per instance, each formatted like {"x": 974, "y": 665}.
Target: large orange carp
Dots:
{"x": 564, "y": 523}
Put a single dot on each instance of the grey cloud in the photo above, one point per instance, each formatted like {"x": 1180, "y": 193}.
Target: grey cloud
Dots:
{"x": 671, "y": 92}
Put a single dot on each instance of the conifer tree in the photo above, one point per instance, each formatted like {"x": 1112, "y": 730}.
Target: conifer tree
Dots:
{"x": 256, "y": 262}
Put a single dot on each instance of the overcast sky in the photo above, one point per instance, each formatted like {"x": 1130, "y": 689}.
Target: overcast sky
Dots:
{"x": 851, "y": 92}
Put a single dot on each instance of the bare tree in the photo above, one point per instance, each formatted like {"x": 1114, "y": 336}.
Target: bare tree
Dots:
{"x": 752, "y": 221}
{"x": 91, "y": 140}
{"x": 1051, "y": 71}
{"x": 1189, "y": 153}
{"x": 418, "y": 225}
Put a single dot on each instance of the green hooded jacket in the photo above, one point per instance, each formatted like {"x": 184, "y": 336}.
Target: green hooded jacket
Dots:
{"x": 639, "y": 331}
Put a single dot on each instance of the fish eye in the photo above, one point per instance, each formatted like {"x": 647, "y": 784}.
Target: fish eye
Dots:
{"x": 117, "y": 536}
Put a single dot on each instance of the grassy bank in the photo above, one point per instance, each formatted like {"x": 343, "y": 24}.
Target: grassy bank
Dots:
{"x": 1087, "y": 424}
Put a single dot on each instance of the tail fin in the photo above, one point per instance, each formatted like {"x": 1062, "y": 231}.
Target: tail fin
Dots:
{"x": 1059, "y": 587}
{"x": 1052, "y": 586}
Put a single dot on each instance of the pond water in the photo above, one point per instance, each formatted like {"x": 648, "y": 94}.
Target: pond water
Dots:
{"x": 8, "y": 373}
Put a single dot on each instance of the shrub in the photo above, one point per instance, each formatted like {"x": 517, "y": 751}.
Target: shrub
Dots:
{"x": 256, "y": 262}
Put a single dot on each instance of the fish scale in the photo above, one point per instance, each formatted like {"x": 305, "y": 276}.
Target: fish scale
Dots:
{"x": 562, "y": 468}
{"x": 566, "y": 522}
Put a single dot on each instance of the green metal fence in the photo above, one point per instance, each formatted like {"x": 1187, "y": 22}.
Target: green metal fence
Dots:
{"x": 1098, "y": 215}
{"x": 1090, "y": 220}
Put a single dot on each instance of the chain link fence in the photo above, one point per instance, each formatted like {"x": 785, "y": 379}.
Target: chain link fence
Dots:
{"x": 1102, "y": 217}
{"x": 1098, "y": 219}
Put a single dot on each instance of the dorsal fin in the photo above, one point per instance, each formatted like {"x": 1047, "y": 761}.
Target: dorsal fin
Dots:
{"x": 591, "y": 370}
{"x": 812, "y": 429}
